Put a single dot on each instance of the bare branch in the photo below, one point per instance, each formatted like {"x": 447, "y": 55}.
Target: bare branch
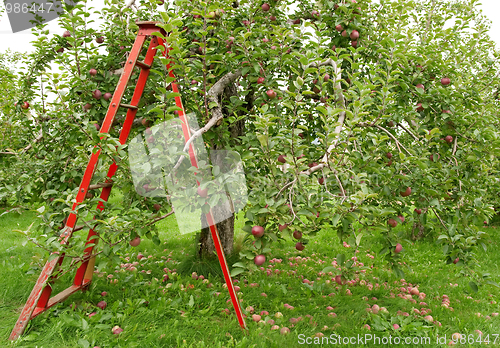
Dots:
{"x": 37, "y": 139}
{"x": 161, "y": 217}
{"x": 409, "y": 132}
{"x": 341, "y": 104}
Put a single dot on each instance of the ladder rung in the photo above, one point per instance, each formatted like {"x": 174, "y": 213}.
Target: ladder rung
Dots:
{"x": 129, "y": 106}
{"x": 143, "y": 65}
{"x": 98, "y": 186}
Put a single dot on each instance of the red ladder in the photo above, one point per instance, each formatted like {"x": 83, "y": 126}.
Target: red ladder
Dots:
{"x": 40, "y": 298}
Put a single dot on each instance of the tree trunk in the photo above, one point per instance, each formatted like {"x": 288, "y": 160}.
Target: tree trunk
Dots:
{"x": 206, "y": 247}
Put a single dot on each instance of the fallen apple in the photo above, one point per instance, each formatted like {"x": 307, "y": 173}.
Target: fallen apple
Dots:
{"x": 116, "y": 330}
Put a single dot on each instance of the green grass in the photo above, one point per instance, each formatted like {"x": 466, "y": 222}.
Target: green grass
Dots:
{"x": 155, "y": 316}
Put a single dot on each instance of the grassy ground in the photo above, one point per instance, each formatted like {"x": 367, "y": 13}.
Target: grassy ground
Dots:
{"x": 187, "y": 312}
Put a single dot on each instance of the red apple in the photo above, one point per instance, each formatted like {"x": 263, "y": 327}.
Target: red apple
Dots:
{"x": 456, "y": 260}
{"x": 299, "y": 246}
{"x": 449, "y": 139}
{"x": 87, "y": 106}
{"x": 271, "y": 94}
{"x": 390, "y": 124}
{"x": 202, "y": 192}
{"x": 99, "y": 39}
{"x": 344, "y": 34}
{"x": 116, "y": 330}
{"x": 406, "y": 193}
{"x": 157, "y": 207}
{"x": 258, "y": 231}
{"x": 326, "y": 77}
{"x": 420, "y": 107}
{"x": 282, "y": 227}
{"x": 398, "y": 249}
{"x": 66, "y": 34}
{"x": 281, "y": 159}
{"x": 389, "y": 155}
{"x": 135, "y": 242}
{"x": 273, "y": 18}
{"x": 296, "y": 21}
{"x": 107, "y": 96}
{"x": 93, "y": 72}
{"x": 321, "y": 180}
{"x": 339, "y": 27}
{"x": 261, "y": 80}
{"x": 151, "y": 139}
{"x": 420, "y": 86}
{"x": 97, "y": 94}
{"x": 392, "y": 223}
{"x": 446, "y": 112}
{"x": 145, "y": 122}
{"x": 354, "y": 44}
{"x": 297, "y": 234}
{"x": 338, "y": 279}
{"x": 149, "y": 131}
{"x": 445, "y": 81}
{"x": 97, "y": 127}
{"x": 354, "y": 35}
{"x": 25, "y": 105}
{"x": 418, "y": 211}
{"x": 102, "y": 304}
{"x": 60, "y": 50}
{"x": 402, "y": 218}
{"x": 266, "y": 7}
{"x": 259, "y": 259}
{"x": 432, "y": 157}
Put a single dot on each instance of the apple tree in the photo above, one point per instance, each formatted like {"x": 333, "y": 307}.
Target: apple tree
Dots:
{"x": 354, "y": 117}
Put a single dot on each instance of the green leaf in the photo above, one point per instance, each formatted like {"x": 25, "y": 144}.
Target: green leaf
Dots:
{"x": 237, "y": 271}
{"x": 335, "y": 220}
{"x": 340, "y": 259}
{"x": 191, "y": 301}
{"x": 358, "y": 238}
{"x": 82, "y": 342}
{"x": 491, "y": 282}
{"x": 329, "y": 269}
{"x": 473, "y": 286}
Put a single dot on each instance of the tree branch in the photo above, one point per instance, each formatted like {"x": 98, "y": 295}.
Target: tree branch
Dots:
{"x": 341, "y": 104}
{"x": 213, "y": 97}
{"x": 409, "y": 132}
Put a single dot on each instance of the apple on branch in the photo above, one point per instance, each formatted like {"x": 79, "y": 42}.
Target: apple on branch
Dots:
{"x": 271, "y": 94}
{"x": 202, "y": 192}
{"x": 257, "y": 231}
{"x": 259, "y": 259}
{"x": 135, "y": 242}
